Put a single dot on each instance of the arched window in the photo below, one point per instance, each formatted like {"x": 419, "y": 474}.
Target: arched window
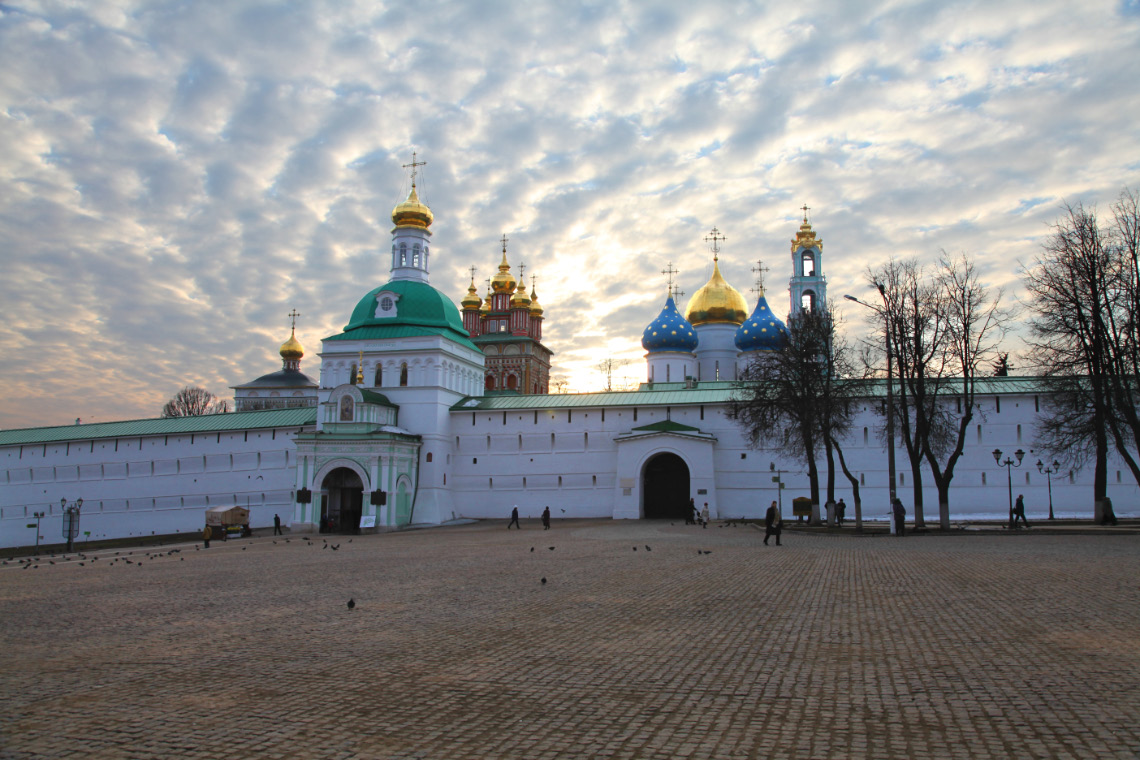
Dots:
{"x": 808, "y": 262}
{"x": 352, "y": 375}
{"x": 379, "y": 379}
{"x": 415, "y": 255}
{"x": 403, "y": 254}
{"x": 429, "y": 456}
{"x": 807, "y": 300}
{"x": 346, "y": 409}
{"x": 403, "y": 374}
{"x": 512, "y": 382}
{"x": 489, "y": 383}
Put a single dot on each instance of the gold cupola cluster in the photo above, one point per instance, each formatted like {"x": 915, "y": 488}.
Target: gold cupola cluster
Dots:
{"x": 717, "y": 301}
{"x": 412, "y": 213}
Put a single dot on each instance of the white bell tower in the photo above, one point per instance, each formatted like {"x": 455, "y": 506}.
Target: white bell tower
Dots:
{"x": 808, "y": 286}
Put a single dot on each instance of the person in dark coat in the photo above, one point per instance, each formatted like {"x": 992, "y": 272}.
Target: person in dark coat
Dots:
{"x": 1019, "y": 511}
{"x": 545, "y": 519}
{"x": 691, "y": 518}
{"x": 514, "y": 519}
{"x": 773, "y": 524}
{"x": 840, "y": 512}
{"x": 277, "y": 525}
{"x": 900, "y": 517}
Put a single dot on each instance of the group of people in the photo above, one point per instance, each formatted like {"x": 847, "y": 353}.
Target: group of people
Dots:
{"x": 693, "y": 517}
{"x": 515, "y": 518}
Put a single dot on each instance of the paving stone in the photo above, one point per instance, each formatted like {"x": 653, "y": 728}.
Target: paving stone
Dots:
{"x": 830, "y": 646}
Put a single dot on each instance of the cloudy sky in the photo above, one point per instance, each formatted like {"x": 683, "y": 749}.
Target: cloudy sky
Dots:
{"x": 175, "y": 177}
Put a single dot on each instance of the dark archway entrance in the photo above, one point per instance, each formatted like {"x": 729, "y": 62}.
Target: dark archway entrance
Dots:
{"x": 665, "y": 487}
{"x": 344, "y": 503}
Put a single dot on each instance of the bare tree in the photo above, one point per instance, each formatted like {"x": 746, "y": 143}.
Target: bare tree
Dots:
{"x": 798, "y": 398}
{"x": 974, "y": 325}
{"x": 1085, "y": 291}
{"x": 607, "y": 368}
{"x": 194, "y": 401}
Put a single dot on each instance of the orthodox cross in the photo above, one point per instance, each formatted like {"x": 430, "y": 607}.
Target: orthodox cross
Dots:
{"x": 293, "y": 314}
{"x": 760, "y": 269}
{"x": 677, "y": 292}
{"x": 413, "y": 166}
{"x": 669, "y": 271}
{"x": 504, "y": 241}
{"x": 522, "y": 274}
{"x": 715, "y": 237}
{"x": 805, "y": 210}
{"x": 473, "y": 270}
{"x": 533, "y": 278}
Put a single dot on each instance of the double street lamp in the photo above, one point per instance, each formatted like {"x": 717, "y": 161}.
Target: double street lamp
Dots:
{"x": 1008, "y": 464}
{"x": 890, "y": 393}
{"x": 1048, "y": 473}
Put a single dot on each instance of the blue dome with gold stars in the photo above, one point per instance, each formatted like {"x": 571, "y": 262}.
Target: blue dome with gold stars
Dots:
{"x": 763, "y": 331}
{"x": 669, "y": 332}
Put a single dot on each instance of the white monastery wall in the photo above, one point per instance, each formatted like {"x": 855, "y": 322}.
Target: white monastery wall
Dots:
{"x": 150, "y": 485}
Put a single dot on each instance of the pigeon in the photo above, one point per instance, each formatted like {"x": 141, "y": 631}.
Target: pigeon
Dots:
{"x": 243, "y": 549}
{"x": 351, "y": 604}
{"x": 551, "y": 548}
{"x": 635, "y": 548}
{"x": 647, "y": 548}
{"x": 325, "y": 546}
{"x": 81, "y": 564}
{"x": 350, "y": 540}
{"x": 334, "y": 547}
{"x": 544, "y": 581}
{"x": 275, "y": 543}
{"x": 532, "y": 548}
{"x": 563, "y": 510}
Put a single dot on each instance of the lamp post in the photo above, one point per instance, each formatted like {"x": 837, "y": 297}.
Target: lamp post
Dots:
{"x": 1048, "y": 473}
{"x": 778, "y": 479}
{"x": 70, "y": 520}
{"x": 1008, "y": 464}
{"x": 890, "y": 393}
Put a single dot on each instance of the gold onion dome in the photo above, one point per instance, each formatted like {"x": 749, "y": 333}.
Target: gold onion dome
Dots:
{"x": 717, "y": 301}
{"x": 504, "y": 281}
{"x": 412, "y": 213}
{"x": 535, "y": 306}
{"x": 486, "y": 307}
{"x": 472, "y": 299}
{"x": 520, "y": 300}
{"x": 291, "y": 349}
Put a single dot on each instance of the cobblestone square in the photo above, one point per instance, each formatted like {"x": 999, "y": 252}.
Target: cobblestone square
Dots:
{"x": 647, "y": 640}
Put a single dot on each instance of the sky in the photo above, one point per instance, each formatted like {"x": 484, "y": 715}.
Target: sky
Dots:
{"x": 176, "y": 177}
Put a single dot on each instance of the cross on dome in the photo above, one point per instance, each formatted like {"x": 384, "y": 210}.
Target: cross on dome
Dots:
{"x": 805, "y": 210}
{"x": 760, "y": 269}
{"x": 413, "y": 166}
{"x": 669, "y": 271}
{"x": 293, "y": 314}
{"x": 715, "y": 237}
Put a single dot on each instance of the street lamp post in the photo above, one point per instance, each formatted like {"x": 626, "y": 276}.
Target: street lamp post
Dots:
{"x": 1048, "y": 473}
{"x": 1008, "y": 464}
{"x": 890, "y": 392}
{"x": 70, "y": 520}
{"x": 778, "y": 479}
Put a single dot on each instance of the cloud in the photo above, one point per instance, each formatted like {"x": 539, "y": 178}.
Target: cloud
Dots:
{"x": 177, "y": 176}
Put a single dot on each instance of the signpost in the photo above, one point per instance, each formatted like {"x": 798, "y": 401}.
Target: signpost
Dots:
{"x": 70, "y": 520}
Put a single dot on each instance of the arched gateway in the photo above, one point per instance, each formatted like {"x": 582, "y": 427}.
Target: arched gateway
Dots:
{"x": 665, "y": 488}
{"x": 345, "y": 501}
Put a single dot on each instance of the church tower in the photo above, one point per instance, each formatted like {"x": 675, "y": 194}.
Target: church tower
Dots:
{"x": 808, "y": 286}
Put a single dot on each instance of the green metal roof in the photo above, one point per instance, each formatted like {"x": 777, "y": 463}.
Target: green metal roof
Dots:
{"x": 206, "y": 423}
{"x": 372, "y": 397}
{"x": 387, "y": 332}
{"x": 667, "y": 426}
{"x": 719, "y": 392}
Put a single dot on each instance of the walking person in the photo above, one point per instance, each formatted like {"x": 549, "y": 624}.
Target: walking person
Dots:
{"x": 277, "y": 525}
{"x": 840, "y": 511}
{"x": 705, "y": 516}
{"x": 514, "y": 518}
{"x": 1019, "y": 511}
{"x": 773, "y": 524}
{"x": 545, "y": 519}
{"x": 691, "y": 515}
{"x": 900, "y": 517}
{"x": 207, "y": 534}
